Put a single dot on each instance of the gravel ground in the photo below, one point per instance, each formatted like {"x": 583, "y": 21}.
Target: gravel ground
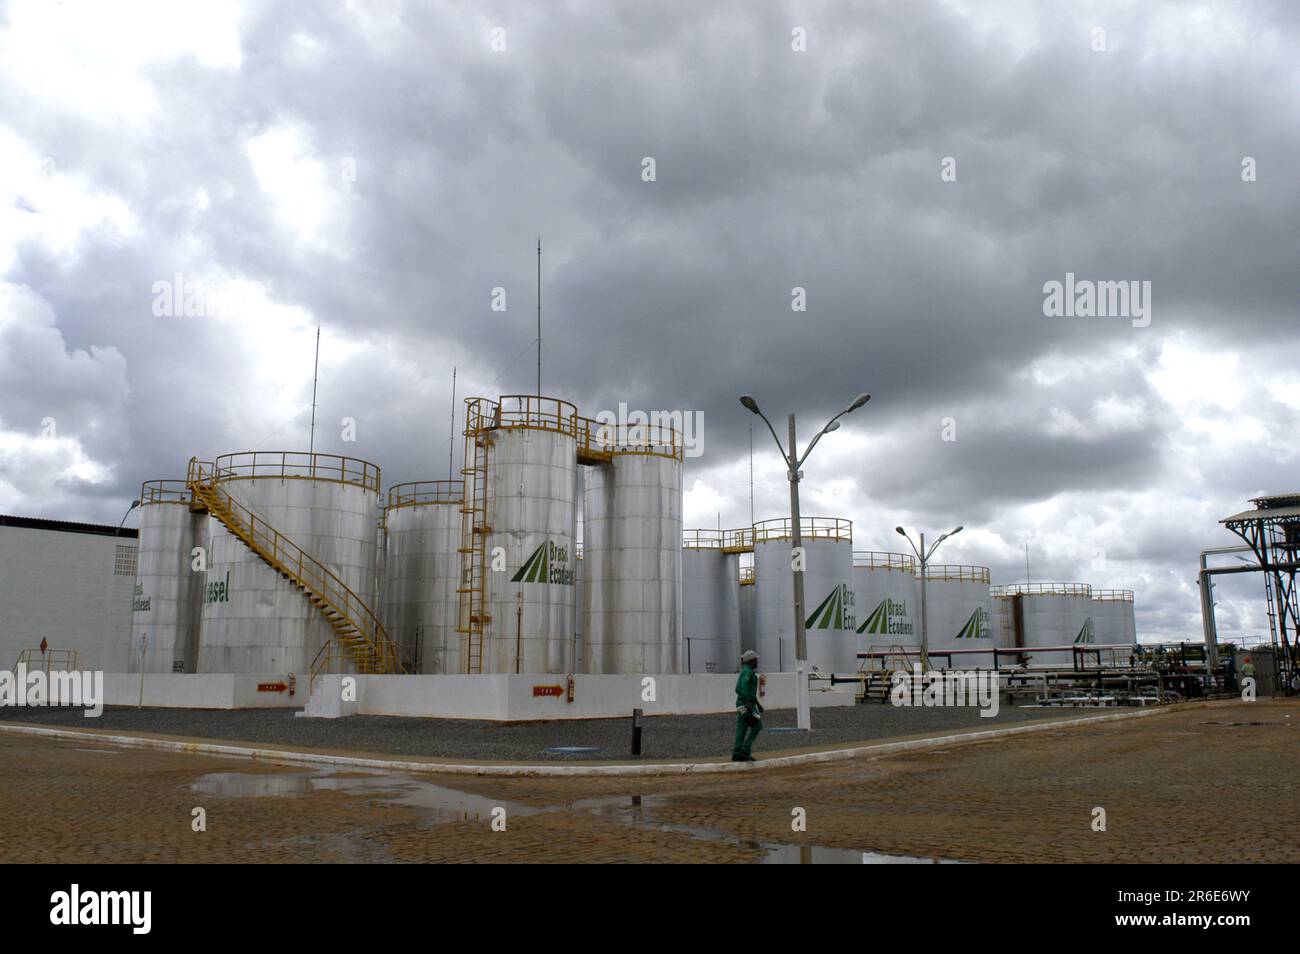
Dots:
{"x": 664, "y": 737}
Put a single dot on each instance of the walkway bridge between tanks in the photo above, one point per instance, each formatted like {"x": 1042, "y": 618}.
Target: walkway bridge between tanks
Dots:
{"x": 359, "y": 638}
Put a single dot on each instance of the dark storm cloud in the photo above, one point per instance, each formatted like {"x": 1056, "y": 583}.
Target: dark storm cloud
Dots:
{"x": 775, "y": 169}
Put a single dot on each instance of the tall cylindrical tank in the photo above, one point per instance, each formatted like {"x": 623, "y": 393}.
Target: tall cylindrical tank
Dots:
{"x": 1112, "y": 621}
{"x": 1002, "y": 624}
{"x": 748, "y": 610}
{"x": 957, "y": 615}
{"x": 255, "y": 619}
{"x": 632, "y": 555}
{"x": 165, "y": 607}
{"x": 887, "y": 606}
{"x": 829, "y": 606}
{"x": 1054, "y": 614}
{"x": 518, "y": 532}
{"x": 710, "y": 603}
{"x": 422, "y": 571}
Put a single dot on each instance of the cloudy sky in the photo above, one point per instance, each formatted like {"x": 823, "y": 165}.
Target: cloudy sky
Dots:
{"x": 920, "y": 170}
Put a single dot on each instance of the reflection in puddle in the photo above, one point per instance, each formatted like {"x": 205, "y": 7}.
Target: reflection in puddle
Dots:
{"x": 443, "y": 805}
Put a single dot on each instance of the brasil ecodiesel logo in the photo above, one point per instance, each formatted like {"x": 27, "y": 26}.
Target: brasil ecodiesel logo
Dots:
{"x": 548, "y": 564}
{"x": 834, "y": 612}
{"x": 890, "y": 618}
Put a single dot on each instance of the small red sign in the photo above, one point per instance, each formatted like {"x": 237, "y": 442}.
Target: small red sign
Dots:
{"x": 548, "y": 691}
{"x": 271, "y": 687}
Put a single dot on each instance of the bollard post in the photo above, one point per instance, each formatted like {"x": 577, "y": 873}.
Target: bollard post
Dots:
{"x": 636, "y": 732}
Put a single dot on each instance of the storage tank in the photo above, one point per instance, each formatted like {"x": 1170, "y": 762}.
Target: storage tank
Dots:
{"x": 888, "y": 607}
{"x": 422, "y": 572}
{"x": 165, "y": 606}
{"x": 1054, "y": 614}
{"x": 1112, "y": 621}
{"x": 748, "y": 609}
{"x": 829, "y": 603}
{"x": 1002, "y": 624}
{"x": 254, "y": 618}
{"x": 710, "y": 602}
{"x": 520, "y": 506}
{"x": 957, "y": 615}
{"x": 632, "y": 554}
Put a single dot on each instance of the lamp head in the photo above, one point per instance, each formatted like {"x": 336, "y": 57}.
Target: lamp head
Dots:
{"x": 901, "y": 531}
{"x": 832, "y": 426}
{"x": 749, "y": 402}
{"x": 860, "y": 400}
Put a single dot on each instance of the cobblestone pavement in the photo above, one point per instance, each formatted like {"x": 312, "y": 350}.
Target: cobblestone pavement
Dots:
{"x": 1025, "y": 798}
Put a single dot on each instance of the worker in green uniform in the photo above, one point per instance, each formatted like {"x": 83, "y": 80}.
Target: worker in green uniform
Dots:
{"x": 749, "y": 711}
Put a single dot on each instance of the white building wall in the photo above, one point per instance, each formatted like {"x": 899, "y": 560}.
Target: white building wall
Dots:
{"x": 69, "y": 588}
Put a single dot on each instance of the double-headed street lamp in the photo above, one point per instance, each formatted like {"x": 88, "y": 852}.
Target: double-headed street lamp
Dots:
{"x": 793, "y": 462}
{"x": 924, "y": 555}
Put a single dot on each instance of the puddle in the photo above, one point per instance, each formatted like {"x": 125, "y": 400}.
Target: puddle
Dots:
{"x": 442, "y": 805}
{"x": 630, "y": 810}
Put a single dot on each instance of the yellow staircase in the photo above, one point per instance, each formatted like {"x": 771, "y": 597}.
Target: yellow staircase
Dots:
{"x": 358, "y": 635}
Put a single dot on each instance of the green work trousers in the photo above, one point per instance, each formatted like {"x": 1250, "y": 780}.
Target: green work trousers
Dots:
{"x": 745, "y": 735}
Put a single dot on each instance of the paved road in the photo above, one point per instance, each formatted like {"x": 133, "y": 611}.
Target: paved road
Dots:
{"x": 1027, "y": 798}
{"x": 664, "y": 737}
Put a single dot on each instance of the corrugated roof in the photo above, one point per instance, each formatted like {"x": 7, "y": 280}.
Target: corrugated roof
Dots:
{"x": 65, "y": 526}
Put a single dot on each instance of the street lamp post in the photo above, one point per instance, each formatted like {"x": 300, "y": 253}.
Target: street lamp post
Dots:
{"x": 793, "y": 464}
{"x": 924, "y": 555}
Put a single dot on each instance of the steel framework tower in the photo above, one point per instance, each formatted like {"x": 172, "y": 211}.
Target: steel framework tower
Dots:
{"x": 1272, "y": 531}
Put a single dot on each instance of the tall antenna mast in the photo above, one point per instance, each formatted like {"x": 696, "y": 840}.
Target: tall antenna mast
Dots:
{"x": 751, "y": 475}
{"x": 451, "y": 434}
{"x": 1026, "y": 564}
{"x": 315, "y": 376}
{"x": 539, "y": 316}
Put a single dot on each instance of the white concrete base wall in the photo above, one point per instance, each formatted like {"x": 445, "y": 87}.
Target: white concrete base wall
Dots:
{"x": 510, "y": 698}
{"x": 497, "y": 698}
{"x": 215, "y": 690}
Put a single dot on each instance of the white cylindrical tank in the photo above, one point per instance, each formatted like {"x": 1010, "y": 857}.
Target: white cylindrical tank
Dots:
{"x": 422, "y": 569}
{"x": 165, "y": 607}
{"x": 829, "y": 603}
{"x": 1112, "y": 621}
{"x": 632, "y": 554}
{"x": 1002, "y": 624}
{"x": 888, "y": 607}
{"x": 957, "y": 615}
{"x": 1055, "y": 614}
{"x": 520, "y": 507}
{"x": 254, "y": 619}
{"x": 710, "y": 603}
{"x": 748, "y": 609}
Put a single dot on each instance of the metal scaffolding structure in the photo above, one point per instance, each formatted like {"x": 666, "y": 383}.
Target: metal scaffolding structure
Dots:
{"x": 1272, "y": 532}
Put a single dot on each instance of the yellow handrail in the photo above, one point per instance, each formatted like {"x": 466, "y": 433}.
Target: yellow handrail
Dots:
{"x": 379, "y": 652}
{"x": 298, "y": 465}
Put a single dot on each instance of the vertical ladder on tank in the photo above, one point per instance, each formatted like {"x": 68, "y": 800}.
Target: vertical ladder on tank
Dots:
{"x": 473, "y": 617}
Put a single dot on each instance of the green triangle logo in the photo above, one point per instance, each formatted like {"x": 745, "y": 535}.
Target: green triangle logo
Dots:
{"x": 830, "y": 613}
{"x": 971, "y": 630}
{"x": 535, "y": 567}
{"x": 877, "y": 624}
{"x": 1085, "y": 633}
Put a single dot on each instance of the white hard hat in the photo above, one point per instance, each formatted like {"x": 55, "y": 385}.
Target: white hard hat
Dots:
{"x": 748, "y": 655}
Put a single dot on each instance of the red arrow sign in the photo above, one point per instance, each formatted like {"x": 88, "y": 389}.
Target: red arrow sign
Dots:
{"x": 271, "y": 687}
{"x": 548, "y": 691}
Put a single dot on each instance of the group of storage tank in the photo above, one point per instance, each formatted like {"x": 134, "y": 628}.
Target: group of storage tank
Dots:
{"x": 487, "y": 574}
{"x": 207, "y": 602}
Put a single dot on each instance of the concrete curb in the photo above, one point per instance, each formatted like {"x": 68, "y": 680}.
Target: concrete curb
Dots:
{"x": 545, "y": 770}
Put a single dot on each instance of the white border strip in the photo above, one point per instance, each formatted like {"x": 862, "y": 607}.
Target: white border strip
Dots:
{"x": 543, "y": 770}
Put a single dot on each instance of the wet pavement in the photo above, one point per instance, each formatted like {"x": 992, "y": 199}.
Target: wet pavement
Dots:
{"x": 1023, "y": 798}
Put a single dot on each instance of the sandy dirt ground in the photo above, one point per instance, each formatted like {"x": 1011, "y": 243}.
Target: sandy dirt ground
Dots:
{"x": 1162, "y": 781}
